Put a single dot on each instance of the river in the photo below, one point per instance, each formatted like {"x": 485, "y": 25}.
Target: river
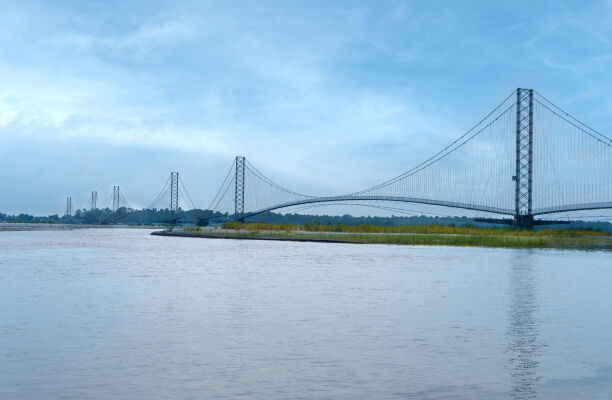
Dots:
{"x": 119, "y": 314}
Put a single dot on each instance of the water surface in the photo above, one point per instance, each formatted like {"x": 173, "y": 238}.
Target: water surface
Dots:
{"x": 119, "y": 314}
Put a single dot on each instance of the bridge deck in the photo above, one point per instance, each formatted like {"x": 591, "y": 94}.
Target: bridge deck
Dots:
{"x": 442, "y": 203}
{"x": 574, "y": 207}
{"x": 415, "y": 200}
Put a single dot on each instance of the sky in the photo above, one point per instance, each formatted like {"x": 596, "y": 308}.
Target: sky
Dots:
{"x": 322, "y": 97}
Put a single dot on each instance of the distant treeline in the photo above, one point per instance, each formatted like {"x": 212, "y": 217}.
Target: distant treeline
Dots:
{"x": 302, "y": 219}
{"x": 204, "y": 217}
{"x": 123, "y": 216}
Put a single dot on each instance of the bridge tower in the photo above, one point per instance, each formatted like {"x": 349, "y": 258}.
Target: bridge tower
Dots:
{"x": 174, "y": 191}
{"x": 68, "y": 206}
{"x": 523, "y": 177}
{"x": 116, "y": 198}
{"x": 94, "y": 200}
{"x": 239, "y": 190}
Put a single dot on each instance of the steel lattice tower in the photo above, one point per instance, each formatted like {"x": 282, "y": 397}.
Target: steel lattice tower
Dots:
{"x": 68, "y": 206}
{"x": 524, "y": 158}
{"x": 94, "y": 200}
{"x": 239, "y": 192}
{"x": 116, "y": 198}
{"x": 174, "y": 191}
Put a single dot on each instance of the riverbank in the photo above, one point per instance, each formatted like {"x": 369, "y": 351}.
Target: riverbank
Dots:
{"x": 476, "y": 240}
{"x": 21, "y": 227}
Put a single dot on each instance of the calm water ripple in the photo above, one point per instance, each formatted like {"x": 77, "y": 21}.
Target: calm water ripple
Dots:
{"x": 119, "y": 314}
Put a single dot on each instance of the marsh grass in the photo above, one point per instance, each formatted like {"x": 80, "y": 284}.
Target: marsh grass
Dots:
{"x": 504, "y": 241}
{"x": 420, "y": 229}
{"x": 480, "y": 240}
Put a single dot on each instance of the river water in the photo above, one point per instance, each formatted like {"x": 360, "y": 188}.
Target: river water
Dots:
{"x": 120, "y": 314}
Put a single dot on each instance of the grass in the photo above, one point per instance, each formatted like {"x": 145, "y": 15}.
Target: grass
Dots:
{"x": 432, "y": 235}
{"x": 420, "y": 229}
{"x": 482, "y": 241}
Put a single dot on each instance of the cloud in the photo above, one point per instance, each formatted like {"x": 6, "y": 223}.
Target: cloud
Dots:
{"x": 144, "y": 39}
{"x": 295, "y": 113}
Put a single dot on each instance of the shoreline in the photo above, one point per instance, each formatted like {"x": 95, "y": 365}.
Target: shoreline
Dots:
{"x": 491, "y": 241}
{"x": 40, "y": 227}
{"x": 209, "y": 235}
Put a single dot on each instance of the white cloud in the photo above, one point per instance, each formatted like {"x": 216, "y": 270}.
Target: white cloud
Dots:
{"x": 147, "y": 38}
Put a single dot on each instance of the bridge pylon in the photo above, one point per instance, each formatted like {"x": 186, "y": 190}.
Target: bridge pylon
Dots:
{"x": 239, "y": 189}
{"x": 174, "y": 192}
{"x": 94, "y": 200}
{"x": 523, "y": 177}
{"x": 68, "y": 212}
{"x": 116, "y": 198}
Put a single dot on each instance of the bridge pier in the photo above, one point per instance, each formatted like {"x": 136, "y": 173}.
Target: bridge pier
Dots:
{"x": 523, "y": 221}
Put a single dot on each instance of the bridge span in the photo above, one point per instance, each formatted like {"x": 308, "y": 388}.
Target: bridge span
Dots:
{"x": 526, "y": 158}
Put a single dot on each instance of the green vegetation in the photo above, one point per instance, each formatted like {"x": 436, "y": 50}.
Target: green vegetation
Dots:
{"x": 416, "y": 229}
{"x": 395, "y": 220}
{"x": 482, "y": 240}
{"x": 440, "y": 235}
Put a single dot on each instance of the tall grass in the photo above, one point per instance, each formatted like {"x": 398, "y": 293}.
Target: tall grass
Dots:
{"x": 507, "y": 241}
{"x": 417, "y": 229}
{"x": 479, "y": 240}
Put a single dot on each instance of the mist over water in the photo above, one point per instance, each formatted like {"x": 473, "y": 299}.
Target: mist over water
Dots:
{"x": 120, "y": 314}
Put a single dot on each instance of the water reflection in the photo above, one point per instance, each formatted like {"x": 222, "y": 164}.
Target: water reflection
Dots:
{"x": 523, "y": 330}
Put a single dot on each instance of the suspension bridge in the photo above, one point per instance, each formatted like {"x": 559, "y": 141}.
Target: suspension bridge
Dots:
{"x": 525, "y": 160}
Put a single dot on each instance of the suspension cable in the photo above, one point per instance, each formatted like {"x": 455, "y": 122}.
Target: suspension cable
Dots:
{"x": 570, "y": 116}
{"x": 254, "y": 170}
{"x": 221, "y": 188}
{"x": 160, "y": 195}
{"x": 193, "y": 207}
{"x": 604, "y": 139}
{"x": 439, "y": 156}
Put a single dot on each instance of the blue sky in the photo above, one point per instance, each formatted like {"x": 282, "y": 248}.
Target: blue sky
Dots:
{"x": 323, "y": 97}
